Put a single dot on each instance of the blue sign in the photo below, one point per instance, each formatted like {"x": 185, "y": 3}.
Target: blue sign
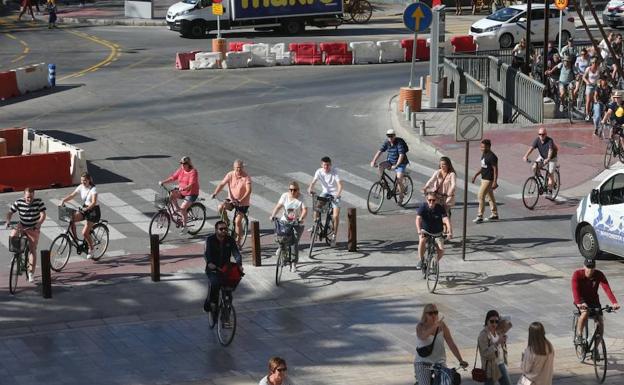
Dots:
{"x": 417, "y": 17}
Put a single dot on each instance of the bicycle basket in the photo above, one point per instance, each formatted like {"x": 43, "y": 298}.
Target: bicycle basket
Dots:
{"x": 232, "y": 275}
{"x": 66, "y": 214}
{"x": 17, "y": 244}
{"x": 161, "y": 200}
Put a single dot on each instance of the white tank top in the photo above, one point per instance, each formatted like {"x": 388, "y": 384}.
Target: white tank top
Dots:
{"x": 438, "y": 355}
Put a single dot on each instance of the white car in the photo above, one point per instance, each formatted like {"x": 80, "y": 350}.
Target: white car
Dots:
{"x": 505, "y": 27}
{"x": 613, "y": 14}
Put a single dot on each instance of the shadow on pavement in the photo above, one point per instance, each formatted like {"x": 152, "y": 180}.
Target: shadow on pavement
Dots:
{"x": 105, "y": 176}
{"x": 39, "y": 94}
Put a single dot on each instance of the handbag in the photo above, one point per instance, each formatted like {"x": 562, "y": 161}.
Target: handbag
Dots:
{"x": 425, "y": 351}
{"x": 478, "y": 374}
{"x": 524, "y": 380}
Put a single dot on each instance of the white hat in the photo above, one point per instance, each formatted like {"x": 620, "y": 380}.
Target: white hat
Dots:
{"x": 390, "y": 132}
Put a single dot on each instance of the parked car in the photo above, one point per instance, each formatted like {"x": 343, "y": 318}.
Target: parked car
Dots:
{"x": 505, "y": 27}
{"x": 613, "y": 15}
{"x": 598, "y": 224}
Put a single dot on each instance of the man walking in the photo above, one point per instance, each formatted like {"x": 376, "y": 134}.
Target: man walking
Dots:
{"x": 489, "y": 181}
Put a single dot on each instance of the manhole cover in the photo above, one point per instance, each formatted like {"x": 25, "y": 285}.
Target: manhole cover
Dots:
{"x": 572, "y": 145}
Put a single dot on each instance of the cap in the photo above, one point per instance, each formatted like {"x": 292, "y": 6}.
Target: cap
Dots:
{"x": 590, "y": 263}
{"x": 185, "y": 159}
{"x": 390, "y": 132}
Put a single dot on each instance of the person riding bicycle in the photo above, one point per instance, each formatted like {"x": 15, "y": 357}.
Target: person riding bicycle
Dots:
{"x": 615, "y": 114}
{"x": 566, "y": 76}
{"x": 332, "y": 187}
{"x": 601, "y": 100}
{"x": 294, "y": 210}
{"x": 547, "y": 150}
{"x": 431, "y": 218}
{"x": 443, "y": 184}
{"x": 188, "y": 188}
{"x": 32, "y": 214}
{"x": 219, "y": 249}
{"x": 585, "y": 284}
{"x": 89, "y": 210}
{"x": 569, "y": 49}
{"x": 238, "y": 183}
{"x": 397, "y": 159}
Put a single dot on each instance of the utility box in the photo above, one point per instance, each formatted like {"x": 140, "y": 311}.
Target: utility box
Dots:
{"x": 437, "y": 55}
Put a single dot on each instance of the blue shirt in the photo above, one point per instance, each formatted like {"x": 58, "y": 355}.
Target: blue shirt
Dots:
{"x": 394, "y": 150}
{"x": 432, "y": 218}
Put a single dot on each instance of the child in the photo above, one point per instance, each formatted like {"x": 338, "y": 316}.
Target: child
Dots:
{"x": 51, "y": 7}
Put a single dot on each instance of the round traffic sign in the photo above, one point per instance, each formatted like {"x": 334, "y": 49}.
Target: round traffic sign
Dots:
{"x": 417, "y": 17}
{"x": 561, "y": 4}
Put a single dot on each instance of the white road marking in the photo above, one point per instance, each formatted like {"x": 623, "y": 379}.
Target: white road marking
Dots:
{"x": 128, "y": 212}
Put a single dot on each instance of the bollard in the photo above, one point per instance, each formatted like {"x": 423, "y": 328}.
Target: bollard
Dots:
{"x": 421, "y": 128}
{"x": 408, "y": 112}
{"x": 155, "y": 258}
{"x": 352, "y": 234}
{"x": 256, "y": 258}
{"x": 52, "y": 75}
{"x": 46, "y": 278}
{"x": 414, "y": 121}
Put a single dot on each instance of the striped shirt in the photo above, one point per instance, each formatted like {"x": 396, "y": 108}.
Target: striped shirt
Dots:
{"x": 29, "y": 213}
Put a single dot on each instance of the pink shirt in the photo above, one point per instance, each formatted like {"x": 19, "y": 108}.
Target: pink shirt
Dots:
{"x": 185, "y": 179}
{"x": 238, "y": 186}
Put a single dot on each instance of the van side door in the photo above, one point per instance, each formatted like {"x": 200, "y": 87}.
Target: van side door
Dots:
{"x": 609, "y": 221}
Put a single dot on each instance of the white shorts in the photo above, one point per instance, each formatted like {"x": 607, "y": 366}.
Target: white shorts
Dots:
{"x": 552, "y": 164}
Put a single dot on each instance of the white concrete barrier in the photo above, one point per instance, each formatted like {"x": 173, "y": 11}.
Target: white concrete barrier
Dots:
{"x": 205, "y": 60}
{"x": 390, "y": 51}
{"x": 283, "y": 57}
{"x": 364, "y": 52}
{"x": 32, "y": 78}
{"x": 236, "y": 60}
{"x": 261, "y": 55}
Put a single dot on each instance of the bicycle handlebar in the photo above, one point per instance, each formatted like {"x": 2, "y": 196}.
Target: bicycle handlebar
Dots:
{"x": 436, "y": 235}
{"x": 607, "y": 308}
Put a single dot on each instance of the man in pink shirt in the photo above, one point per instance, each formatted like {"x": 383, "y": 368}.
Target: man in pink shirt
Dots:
{"x": 239, "y": 194}
{"x": 188, "y": 188}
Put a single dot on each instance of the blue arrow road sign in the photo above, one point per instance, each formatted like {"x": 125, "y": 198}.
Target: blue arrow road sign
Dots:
{"x": 417, "y": 17}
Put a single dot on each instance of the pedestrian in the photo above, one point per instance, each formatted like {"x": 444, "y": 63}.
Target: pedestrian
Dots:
{"x": 458, "y": 8}
{"x": 491, "y": 345}
{"x": 431, "y": 333}
{"x": 51, "y": 7}
{"x": 538, "y": 358}
{"x": 26, "y": 5}
{"x": 278, "y": 373}
{"x": 489, "y": 181}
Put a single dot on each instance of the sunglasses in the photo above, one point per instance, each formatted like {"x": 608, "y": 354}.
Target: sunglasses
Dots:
{"x": 433, "y": 312}
{"x": 493, "y": 321}
{"x": 541, "y": 134}
{"x": 431, "y": 200}
{"x": 390, "y": 136}
{"x": 293, "y": 189}
{"x": 222, "y": 229}
{"x": 281, "y": 369}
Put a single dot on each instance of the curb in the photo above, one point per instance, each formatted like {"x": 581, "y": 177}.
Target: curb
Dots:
{"x": 127, "y": 22}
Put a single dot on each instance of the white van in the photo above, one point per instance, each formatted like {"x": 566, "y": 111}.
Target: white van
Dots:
{"x": 599, "y": 221}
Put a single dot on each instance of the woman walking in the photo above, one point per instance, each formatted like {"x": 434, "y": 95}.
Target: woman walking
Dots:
{"x": 491, "y": 343}
{"x": 538, "y": 358}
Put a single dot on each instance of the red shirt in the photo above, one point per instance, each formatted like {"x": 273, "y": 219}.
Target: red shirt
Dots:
{"x": 586, "y": 289}
{"x": 186, "y": 178}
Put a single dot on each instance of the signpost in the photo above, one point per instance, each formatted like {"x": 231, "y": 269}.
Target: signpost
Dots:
{"x": 217, "y": 9}
{"x": 468, "y": 128}
{"x": 417, "y": 17}
{"x": 561, "y": 5}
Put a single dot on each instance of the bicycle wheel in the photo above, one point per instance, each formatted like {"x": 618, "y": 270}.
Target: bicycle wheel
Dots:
{"x": 608, "y": 154}
{"x": 159, "y": 225}
{"x": 408, "y": 190}
{"x": 313, "y": 237}
{"x": 570, "y": 104}
{"x": 329, "y": 230}
{"x": 279, "y": 265}
{"x": 433, "y": 272}
{"x": 99, "y": 235}
{"x": 620, "y": 152}
{"x": 15, "y": 267}
{"x": 226, "y": 326}
{"x": 60, "y": 249}
{"x": 579, "y": 348}
{"x": 361, "y": 11}
{"x": 196, "y": 217}
{"x": 245, "y": 230}
{"x": 599, "y": 357}
{"x": 530, "y": 193}
{"x": 376, "y": 196}
{"x": 556, "y": 185}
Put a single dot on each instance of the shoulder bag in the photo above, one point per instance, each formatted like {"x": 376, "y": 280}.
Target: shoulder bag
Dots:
{"x": 478, "y": 374}
{"x": 425, "y": 351}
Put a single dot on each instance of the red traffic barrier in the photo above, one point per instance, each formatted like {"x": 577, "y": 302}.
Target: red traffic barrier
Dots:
{"x": 14, "y": 140}
{"x": 463, "y": 43}
{"x": 237, "y": 46}
{"x": 8, "y": 85}
{"x": 422, "y": 51}
{"x": 336, "y": 53}
{"x": 306, "y": 53}
{"x": 44, "y": 171}
{"x": 183, "y": 59}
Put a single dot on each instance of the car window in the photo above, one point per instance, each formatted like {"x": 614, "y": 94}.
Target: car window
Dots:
{"x": 617, "y": 191}
{"x": 605, "y": 192}
{"x": 504, "y": 14}
{"x": 555, "y": 13}
{"x": 537, "y": 14}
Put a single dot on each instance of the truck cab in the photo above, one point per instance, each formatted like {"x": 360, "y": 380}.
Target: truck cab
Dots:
{"x": 194, "y": 18}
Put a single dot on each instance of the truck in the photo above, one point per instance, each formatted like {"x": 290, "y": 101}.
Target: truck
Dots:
{"x": 195, "y": 18}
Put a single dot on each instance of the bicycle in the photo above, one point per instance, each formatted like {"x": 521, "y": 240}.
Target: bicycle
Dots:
{"x": 595, "y": 346}
{"x": 231, "y": 224}
{"x": 18, "y": 245}
{"x": 431, "y": 267}
{"x": 537, "y": 184}
{"x": 382, "y": 189}
{"x": 320, "y": 230}
{"x": 286, "y": 238}
{"x": 614, "y": 146}
{"x": 167, "y": 212}
{"x": 61, "y": 246}
{"x": 225, "y": 313}
{"x": 360, "y": 11}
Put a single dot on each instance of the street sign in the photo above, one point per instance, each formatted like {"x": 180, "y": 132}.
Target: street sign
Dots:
{"x": 417, "y": 17}
{"x": 469, "y": 118}
{"x": 561, "y": 4}
{"x": 217, "y": 9}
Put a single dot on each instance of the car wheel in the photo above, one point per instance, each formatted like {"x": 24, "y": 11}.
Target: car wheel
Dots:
{"x": 588, "y": 243}
{"x": 293, "y": 27}
{"x": 565, "y": 36}
{"x": 506, "y": 40}
{"x": 198, "y": 29}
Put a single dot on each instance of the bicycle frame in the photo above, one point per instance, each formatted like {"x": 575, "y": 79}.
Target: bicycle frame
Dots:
{"x": 327, "y": 208}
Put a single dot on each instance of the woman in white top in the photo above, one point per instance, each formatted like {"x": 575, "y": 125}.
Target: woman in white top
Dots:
{"x": 293, "y": 210}
{"x": 491, "y": 343}
{"x": 278, "y": 373}
{"x": 432, "y": 330}
{"x": 590, "y": 77}
{"x": 538, "y": 358}
{"x": 89, "y": 210}
{"x": 442, "y": 183}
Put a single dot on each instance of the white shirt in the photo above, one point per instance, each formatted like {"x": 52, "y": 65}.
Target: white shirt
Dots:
{"x": 86, "y": 194}
{"x": 329, "y": 180}
{"x": 294, "y": 206}
{"x": 265, "y": 381}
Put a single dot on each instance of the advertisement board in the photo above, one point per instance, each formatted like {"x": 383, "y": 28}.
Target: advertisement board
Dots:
{"x": 256, "y": 9}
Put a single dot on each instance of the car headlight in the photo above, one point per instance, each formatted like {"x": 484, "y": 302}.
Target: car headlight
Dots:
{"x": 492, "y": 28}
{"x": 184, "y": 13}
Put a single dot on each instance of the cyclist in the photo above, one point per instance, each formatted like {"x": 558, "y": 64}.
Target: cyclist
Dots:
{"x": 332, "y": 187}
{"x": 431, "y": 217}
{"x": 585, "y": 284}
{"x": 294, "y": 210}
{"x": 90, "y": 209}
{"x": 547, "y": 150}
{"x": 397, "y": 159}
{"x": 220, "y": 247}
{"x": 188, "y": 188}
{"x": 442, "y": 183}
{"x": 590, "y": 77}
{"x": 32, "y": 213}
{"x": 238, "y": 183}
{"x": 582, "y": 62}
{"x": 278, "y": 373}
{"x": 569, "y": 49}
{"x": 566, "y": 76}
{"x": 601, "y": 100}
{"x": 615, "y": 114}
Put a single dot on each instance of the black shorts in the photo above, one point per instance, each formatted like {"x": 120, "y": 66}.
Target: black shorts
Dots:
{"x": 92, "y": 215}
{"x": 242, "y": 209}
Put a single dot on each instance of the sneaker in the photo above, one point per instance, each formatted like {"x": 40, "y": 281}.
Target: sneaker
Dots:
{"x": 587, "y": 118}
{"x": 561, "y": 108}
{"x": 90, "y": 255}
{"x": 478, "y": 220}
{"x": 31, "y": 278}
{"x": 332, "y": 242}
{"x": 492, "y": 218}
{"x": 420, "y": 265}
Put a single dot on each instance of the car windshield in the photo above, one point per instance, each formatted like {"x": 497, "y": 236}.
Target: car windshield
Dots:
{"x": 504, "y": 14}
{"x": 190, "y": 1}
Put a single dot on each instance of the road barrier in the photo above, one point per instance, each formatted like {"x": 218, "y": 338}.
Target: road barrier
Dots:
{"x": 8, "y": 85}
{"x": 390, "y": 51}
{"x": 283, "y": 56}
{"x": 422, "y": 50}
{"x": 306, "y": 53}
{"x": 32, "y": 78}
{"x": 236, "y": 60}
{"x": 364, "y": 52}
{"x": 463, "y": 43}
{"x": 205, "y": 60}
{"x": 260, "y": 55}
{"x": 336, "y": 53}
{"x": 38, "y": 171}
{"x": 14, "y": 141}
{"x": 237, "y": 46}
{"x": 183, "y": 59}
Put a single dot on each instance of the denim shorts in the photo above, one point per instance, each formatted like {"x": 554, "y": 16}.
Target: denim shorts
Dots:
{"x": 190, "y": 198}
{"x": 334, "y": 203}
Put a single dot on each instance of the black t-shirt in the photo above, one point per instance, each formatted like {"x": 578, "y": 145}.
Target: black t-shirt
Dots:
{"x": 489, "y": 160}
{"x": 603, "y": 94}
{"x": 543, "y": 148}
{"x": 432, "y": 217}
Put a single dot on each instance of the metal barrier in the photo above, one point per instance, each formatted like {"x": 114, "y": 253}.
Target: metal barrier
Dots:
{"x": 456, "y": 83}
